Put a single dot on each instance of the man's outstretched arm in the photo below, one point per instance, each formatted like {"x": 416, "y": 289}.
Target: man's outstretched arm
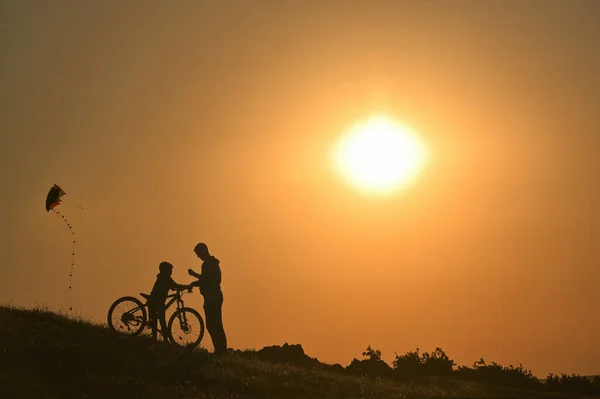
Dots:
{"x": 194, "y": 274}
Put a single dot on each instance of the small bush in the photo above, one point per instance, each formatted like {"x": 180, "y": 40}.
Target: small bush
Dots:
{"x": 372, "y": 366}
{"x": 412, "y": 364}
{"x": 497, "y": 374}
{"x": 573, "y": 383}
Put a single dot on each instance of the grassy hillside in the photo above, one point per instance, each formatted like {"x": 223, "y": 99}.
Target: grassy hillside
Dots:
{"x": 47, "y": 355}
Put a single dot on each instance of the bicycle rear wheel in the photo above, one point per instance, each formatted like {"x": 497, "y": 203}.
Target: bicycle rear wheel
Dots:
{"x": 186, "y": 327}
{"x": 127, "y": 315}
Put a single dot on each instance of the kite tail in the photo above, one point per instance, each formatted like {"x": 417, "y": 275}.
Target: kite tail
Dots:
{"x": 72, "y": 258}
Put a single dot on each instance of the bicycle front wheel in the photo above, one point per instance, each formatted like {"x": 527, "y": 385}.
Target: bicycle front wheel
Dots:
{"x": 127, "y": 315}
{"x": 186, "y": 327}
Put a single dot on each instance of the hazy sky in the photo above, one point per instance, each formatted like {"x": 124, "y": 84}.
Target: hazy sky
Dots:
{"x": 178, "y": 122}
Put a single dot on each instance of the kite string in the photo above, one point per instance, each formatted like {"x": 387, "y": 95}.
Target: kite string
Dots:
{"x": 72, "y": 258}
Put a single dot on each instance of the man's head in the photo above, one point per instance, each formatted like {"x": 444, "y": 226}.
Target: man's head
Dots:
{"x": 201, "y": 251}
{"x": 165, "y": 268}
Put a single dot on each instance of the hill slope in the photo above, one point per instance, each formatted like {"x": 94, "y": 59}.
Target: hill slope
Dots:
{"x": 46, "y": 355}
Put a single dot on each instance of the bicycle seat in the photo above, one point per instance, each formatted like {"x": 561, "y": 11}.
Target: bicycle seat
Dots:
{"x": 145, "y": 296}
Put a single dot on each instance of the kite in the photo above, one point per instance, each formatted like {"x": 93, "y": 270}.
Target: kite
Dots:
{"x": 53, "y": 198}
{"x": 52, "y": 201}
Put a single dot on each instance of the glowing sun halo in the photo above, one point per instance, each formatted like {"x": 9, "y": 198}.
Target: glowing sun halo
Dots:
{"x": 379, "y": 156}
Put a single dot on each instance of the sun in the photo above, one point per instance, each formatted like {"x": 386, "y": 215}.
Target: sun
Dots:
{"x": 379, "y": 155}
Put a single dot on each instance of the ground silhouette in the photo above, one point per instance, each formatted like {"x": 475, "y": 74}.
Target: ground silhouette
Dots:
{"x": 44, "y": 354}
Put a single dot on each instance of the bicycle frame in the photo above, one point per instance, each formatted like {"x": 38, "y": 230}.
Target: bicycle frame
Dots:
{"x": 175, "y": 297}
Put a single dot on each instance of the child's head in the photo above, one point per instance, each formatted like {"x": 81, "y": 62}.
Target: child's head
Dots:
{"x": 165, "y": 268}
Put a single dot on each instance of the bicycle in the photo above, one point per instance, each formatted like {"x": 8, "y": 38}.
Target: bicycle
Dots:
{"x": 134, "y": 319}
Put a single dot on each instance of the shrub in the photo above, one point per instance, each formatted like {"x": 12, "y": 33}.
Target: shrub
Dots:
{"x": 412, "y": 364}
{"x": 372, "y": 366}
{"x": 497, "y": 374}
{"x": 573, "y": 383}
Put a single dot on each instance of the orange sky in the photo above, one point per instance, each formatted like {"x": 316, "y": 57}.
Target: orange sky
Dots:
{"x": 214, "y": 121}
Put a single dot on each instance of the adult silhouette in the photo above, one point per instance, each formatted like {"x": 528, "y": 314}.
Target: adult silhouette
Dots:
{"x": 209, "y": 281}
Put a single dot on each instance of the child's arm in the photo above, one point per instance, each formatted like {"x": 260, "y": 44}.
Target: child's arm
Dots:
{"x": 175, "y": 286}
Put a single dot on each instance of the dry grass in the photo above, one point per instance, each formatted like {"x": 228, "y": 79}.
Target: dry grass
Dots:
{"x": 44, "y": 354}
